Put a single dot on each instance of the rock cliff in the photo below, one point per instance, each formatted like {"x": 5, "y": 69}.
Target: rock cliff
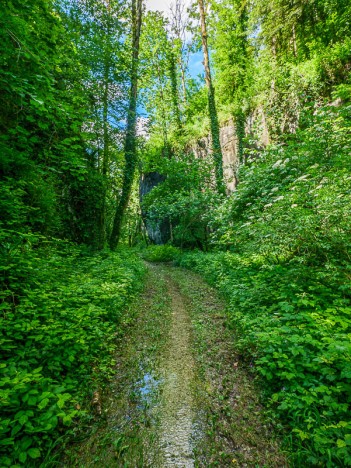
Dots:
{"x": 158, "y": 230}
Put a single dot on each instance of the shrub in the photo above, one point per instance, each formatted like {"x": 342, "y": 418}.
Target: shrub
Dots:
{"x": 160, "y": 253}
{"x": 60, "y": 312}
{"x": 287, "y": 280}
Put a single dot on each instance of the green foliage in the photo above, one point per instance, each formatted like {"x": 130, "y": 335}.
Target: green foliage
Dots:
{"x": 161, "y": 253}
{"x": 63, "y": 78}
{"x": 159, "y": 77}
{"x": 272, "y": 58}
{"x": 233, "y": 54}
{"x": 298, "y": 30}
{"x": 64, "y": 70}
{"x": 185, "y": 198}
{"x": 61, "y": 310}
{"x": 42, "y": 148}
{"x": 287, "y": 279}
{"x": 293, "y": 201}
{"x": 294, "y": 325}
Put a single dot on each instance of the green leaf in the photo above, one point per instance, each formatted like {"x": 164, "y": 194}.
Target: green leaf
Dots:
{"x": 341, "y": 443}
{"x": 34, "y": 452}
{"x": 43, "y": 403}
{"x": 22, "y": 457}
{"x": 8, "y": 441}
{"x": 23, "y": 419}
{"x": 32, "y": 401}
{"x": 16, "y": 429}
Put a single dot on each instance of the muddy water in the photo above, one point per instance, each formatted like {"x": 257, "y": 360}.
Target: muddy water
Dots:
{"x": 177, "y": 368}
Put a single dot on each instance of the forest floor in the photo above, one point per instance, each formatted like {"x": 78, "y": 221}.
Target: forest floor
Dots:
{"x": 181, "y": 395}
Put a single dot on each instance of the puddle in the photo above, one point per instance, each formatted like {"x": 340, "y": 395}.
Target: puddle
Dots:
{"x": 147, "y": 389}
{"x": 152, "y": 410}
{"x": 147, "y": 386}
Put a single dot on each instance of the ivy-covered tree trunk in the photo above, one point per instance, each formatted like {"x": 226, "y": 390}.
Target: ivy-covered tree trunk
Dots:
{"x": 163, "y": 110}
{"x": 130, "y": 141}
{"x": 240, "y": 131}
{"x": 106, "y": 150}
{"x": 215, "y": 135}
{"x": 174, "y": 87}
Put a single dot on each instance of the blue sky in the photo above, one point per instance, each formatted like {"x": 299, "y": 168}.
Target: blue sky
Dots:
{"x": 196, "y": 66}
{"x": 195, "y": 62}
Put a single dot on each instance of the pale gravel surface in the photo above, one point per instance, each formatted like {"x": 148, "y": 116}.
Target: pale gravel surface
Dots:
{"x": 174, "y": 399}
{"x": 177, "y": 370}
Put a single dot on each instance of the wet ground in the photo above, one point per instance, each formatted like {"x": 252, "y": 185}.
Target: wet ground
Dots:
{"x": 180, "y": 396}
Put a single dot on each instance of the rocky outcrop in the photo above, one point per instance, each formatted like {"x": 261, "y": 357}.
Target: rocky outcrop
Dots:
{"x": 229, "y": 145}
{"x": 157, "y": 230}
{"x": 255, "y": 127}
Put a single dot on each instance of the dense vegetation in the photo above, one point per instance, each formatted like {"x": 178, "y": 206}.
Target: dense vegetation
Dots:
{"x": 58, "y": 336}
{"x": 287, "y": 278}
{"x": 278, "y": 246}
{"x": 61, "y": 304}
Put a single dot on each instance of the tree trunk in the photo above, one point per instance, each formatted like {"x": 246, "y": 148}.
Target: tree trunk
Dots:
{"x": 179, "y": 24}
{"x": 294, "y": 41}
{"x": 130, "y": 141}
{"x": 215, "y": 135}
{"x": 163, "y": 112}
{"x": 106, "y": 152}
{"x": 182, "y": 68}
{"x": 174, "y": 87}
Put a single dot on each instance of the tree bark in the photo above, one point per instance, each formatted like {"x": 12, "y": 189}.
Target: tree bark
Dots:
{"x": 106, "y": 138}
{"x": 215, "y": 135}
{"x": 130, "y": 141}
{"x": 174, "y": 87}
{"x": 106, "y": 153}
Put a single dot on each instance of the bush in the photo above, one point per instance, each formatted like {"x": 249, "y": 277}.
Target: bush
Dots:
{"x": 294, "y": 327}
{"x": 160, "y": 253}
{"x": 287, "y": 280}
{"x": 185, "y": 199}
{"x": 60, "y": 312}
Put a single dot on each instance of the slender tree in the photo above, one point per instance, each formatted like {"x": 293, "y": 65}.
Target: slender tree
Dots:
{"x": 233, "y": 61}
{"x": 130, "y": 141}
{"x": 179, "y": 24}
{"x": 215, "y": 135}
{"x": 160, "y": 84}
{"x": 174, "y": 85}
{"x": 106, "y": 136}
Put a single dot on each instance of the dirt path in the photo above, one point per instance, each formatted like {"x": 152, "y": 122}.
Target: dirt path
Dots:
{"x": 178, "y": 374}
{"x": 180, "y": 395}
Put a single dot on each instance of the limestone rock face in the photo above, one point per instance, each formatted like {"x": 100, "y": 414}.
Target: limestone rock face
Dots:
{"x": 255, "y": 127}
{"x": 158, "y": 231}
{"x": 229, "y": 145}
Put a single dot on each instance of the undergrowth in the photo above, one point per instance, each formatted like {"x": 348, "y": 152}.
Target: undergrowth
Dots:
{"x": 61, "y": 309}
{"x": 286, "y": 274}
{"x": 160, "y": 253}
